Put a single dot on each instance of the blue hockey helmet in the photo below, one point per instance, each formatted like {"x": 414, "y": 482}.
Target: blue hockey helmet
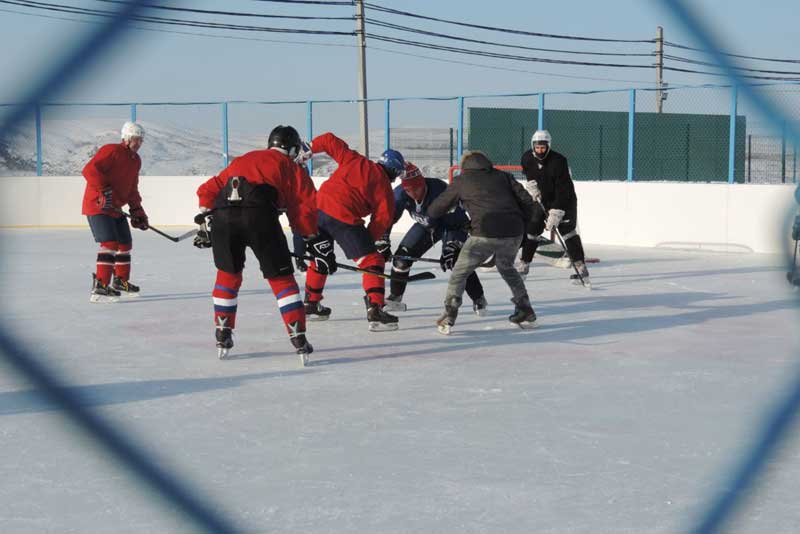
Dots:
{"x": 393, "y": 162}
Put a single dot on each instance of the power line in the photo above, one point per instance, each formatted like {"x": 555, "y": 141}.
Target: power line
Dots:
{"x": 226, "y": 13}
{"x": 167, "y": 21}
{"x": 684, "y": 47}
{"x": 389, "y": 25}
{"x": 676, "y": 69}
{"x": 160, "y": 30}
{"x": 503, "y": 30}
{"x": 498, "y": 55}
{"x": 375, "y": 48}
{"x": 707, "y": 64}
{"x": 311, "y": 2}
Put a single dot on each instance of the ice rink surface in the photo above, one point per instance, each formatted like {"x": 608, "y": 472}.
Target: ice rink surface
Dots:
{"x": 622, "y": 413}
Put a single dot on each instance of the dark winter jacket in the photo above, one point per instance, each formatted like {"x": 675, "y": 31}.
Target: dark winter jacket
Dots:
{"x": 497, "y": 205}
{"x": 553, "y": 177}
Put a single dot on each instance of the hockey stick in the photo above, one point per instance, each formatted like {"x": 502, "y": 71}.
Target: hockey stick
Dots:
{"x": 412, "y": 258}
{"x": 426, "y": 275}
{"x": 564, "y": 246}
{"x": 174, "y": 239}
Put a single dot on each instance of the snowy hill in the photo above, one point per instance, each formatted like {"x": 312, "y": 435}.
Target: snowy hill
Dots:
{"x": 174, "y": 151}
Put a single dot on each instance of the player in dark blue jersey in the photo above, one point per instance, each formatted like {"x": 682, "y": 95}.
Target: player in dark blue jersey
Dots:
{"x": 414, "y": 195}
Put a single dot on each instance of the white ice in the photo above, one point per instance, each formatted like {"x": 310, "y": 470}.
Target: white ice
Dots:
{"x": 622, "y": 413}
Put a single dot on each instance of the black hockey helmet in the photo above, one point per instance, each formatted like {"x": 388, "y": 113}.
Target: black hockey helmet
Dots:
{"x": 285, "y": 138}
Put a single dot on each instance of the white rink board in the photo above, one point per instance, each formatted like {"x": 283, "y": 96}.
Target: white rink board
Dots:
{"x": 722, "y": 217}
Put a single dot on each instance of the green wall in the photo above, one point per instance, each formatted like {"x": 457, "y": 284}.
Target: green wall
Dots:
{"x": 667, "y": 146}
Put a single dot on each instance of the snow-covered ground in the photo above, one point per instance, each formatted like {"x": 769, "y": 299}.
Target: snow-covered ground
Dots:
{"x": 621, "y": 413}
{"x": 172, "y": 150}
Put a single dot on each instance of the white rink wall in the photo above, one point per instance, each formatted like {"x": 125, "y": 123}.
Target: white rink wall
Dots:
{"x": 722, "y": 217}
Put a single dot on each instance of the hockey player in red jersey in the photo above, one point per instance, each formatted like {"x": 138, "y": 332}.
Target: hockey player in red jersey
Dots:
{"x": 358, "y": 188}
{"x": 240, "y": 208}
{"x": 112, "y": 180}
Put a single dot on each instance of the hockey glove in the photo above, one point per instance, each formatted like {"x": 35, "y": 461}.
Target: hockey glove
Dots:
{"x": 321, "y": 249}
{"x": 139, "y": 218}
{"x": 203, "y": 237}
{"x": 105, "y": 199}
{"x": 553, "y": 219}
{"x": 532, "y": 187}
{"x": 450, "y": 252}
{"x": 384, "y": 248}
{"x": 304, "y": 154}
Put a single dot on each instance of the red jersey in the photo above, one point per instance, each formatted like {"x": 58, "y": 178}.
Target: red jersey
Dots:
{"x": 115, "y": 166}
{"x": 296, "y": 193}
{"x": 357, "y": 188}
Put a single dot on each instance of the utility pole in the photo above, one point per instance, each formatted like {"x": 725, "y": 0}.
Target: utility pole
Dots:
{"x": 362, "y": 76}
{"x": 659, "y": 67}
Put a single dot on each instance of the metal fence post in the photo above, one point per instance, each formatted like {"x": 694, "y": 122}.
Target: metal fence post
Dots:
{"x": 460, "y": 127}
{"x": 631, "y": 130}
{"x": 309, "y": 131}
{"x": 387, "y": 137}
{"x": 540, "y": 126}
{"x": 732, "y": 136}
{"x": 133, "y": 112}
{"x": 225, "y": 134}
{"x": 783, "y": 153}
{"x": 38, "y": 121}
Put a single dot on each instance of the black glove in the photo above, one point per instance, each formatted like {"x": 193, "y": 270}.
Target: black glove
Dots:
{"x": 321, "y": 249}
{"x": 384, "y": 247}
{"x": 450, "y": 252}
{"x": 139, "y": 218}
{"x": 203, "y": 237}
{"x": 106, "y": 200}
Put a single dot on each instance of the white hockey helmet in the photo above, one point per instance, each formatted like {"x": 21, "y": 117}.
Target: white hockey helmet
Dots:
{"x": 132, "y": 129}
{"x": 541, "y": 137}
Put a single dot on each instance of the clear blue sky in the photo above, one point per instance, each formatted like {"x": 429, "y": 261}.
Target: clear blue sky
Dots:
{"x": 157, "y": 65}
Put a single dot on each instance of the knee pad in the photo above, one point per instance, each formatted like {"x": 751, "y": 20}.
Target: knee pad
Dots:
{"x": 372, "y": 261}
{"x": 401, "y": 265}
{"x": 109, "y": 246}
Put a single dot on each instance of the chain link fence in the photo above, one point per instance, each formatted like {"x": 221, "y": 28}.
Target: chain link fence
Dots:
{"x": 686, "y": 138}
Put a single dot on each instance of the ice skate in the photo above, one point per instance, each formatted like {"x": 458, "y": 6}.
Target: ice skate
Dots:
{"x": 315, "y": 311}
{"x": 102, "y": 293}
{"x": 581, "y": 266}
{"x": 303, "y": 348}
{"x": 523, "y": 315}
{"x": 224, "y": 337}
{"x": 125, "y": 288}
{"x": 447, "y": 320}
{"x": 379, "y": 320}
{"x": 394, "y": 303}
{"x": 480, "y": 306}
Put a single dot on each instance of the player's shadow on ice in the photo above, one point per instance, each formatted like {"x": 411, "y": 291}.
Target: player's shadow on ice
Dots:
{"x": 556, "y": 327}
{"x": 31, "y": 401}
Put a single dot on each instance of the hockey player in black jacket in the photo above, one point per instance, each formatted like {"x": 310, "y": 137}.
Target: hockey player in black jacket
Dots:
{"x": 498, "y": 208}
{"x": 550, "y": 183}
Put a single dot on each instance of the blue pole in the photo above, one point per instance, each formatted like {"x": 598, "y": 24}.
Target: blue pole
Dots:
{"x": 631, "y": 130}
{"x": 133, "y": 112}
{"x": 309, "y": 130}
{"x": 541, "y": 112}
{"x": 732, "y": 135}
{"x": 38, "y": 121}
{"x": 460, "y": 142}
{"x": 387, "y": 138}
{"x": 225, "y": 156}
